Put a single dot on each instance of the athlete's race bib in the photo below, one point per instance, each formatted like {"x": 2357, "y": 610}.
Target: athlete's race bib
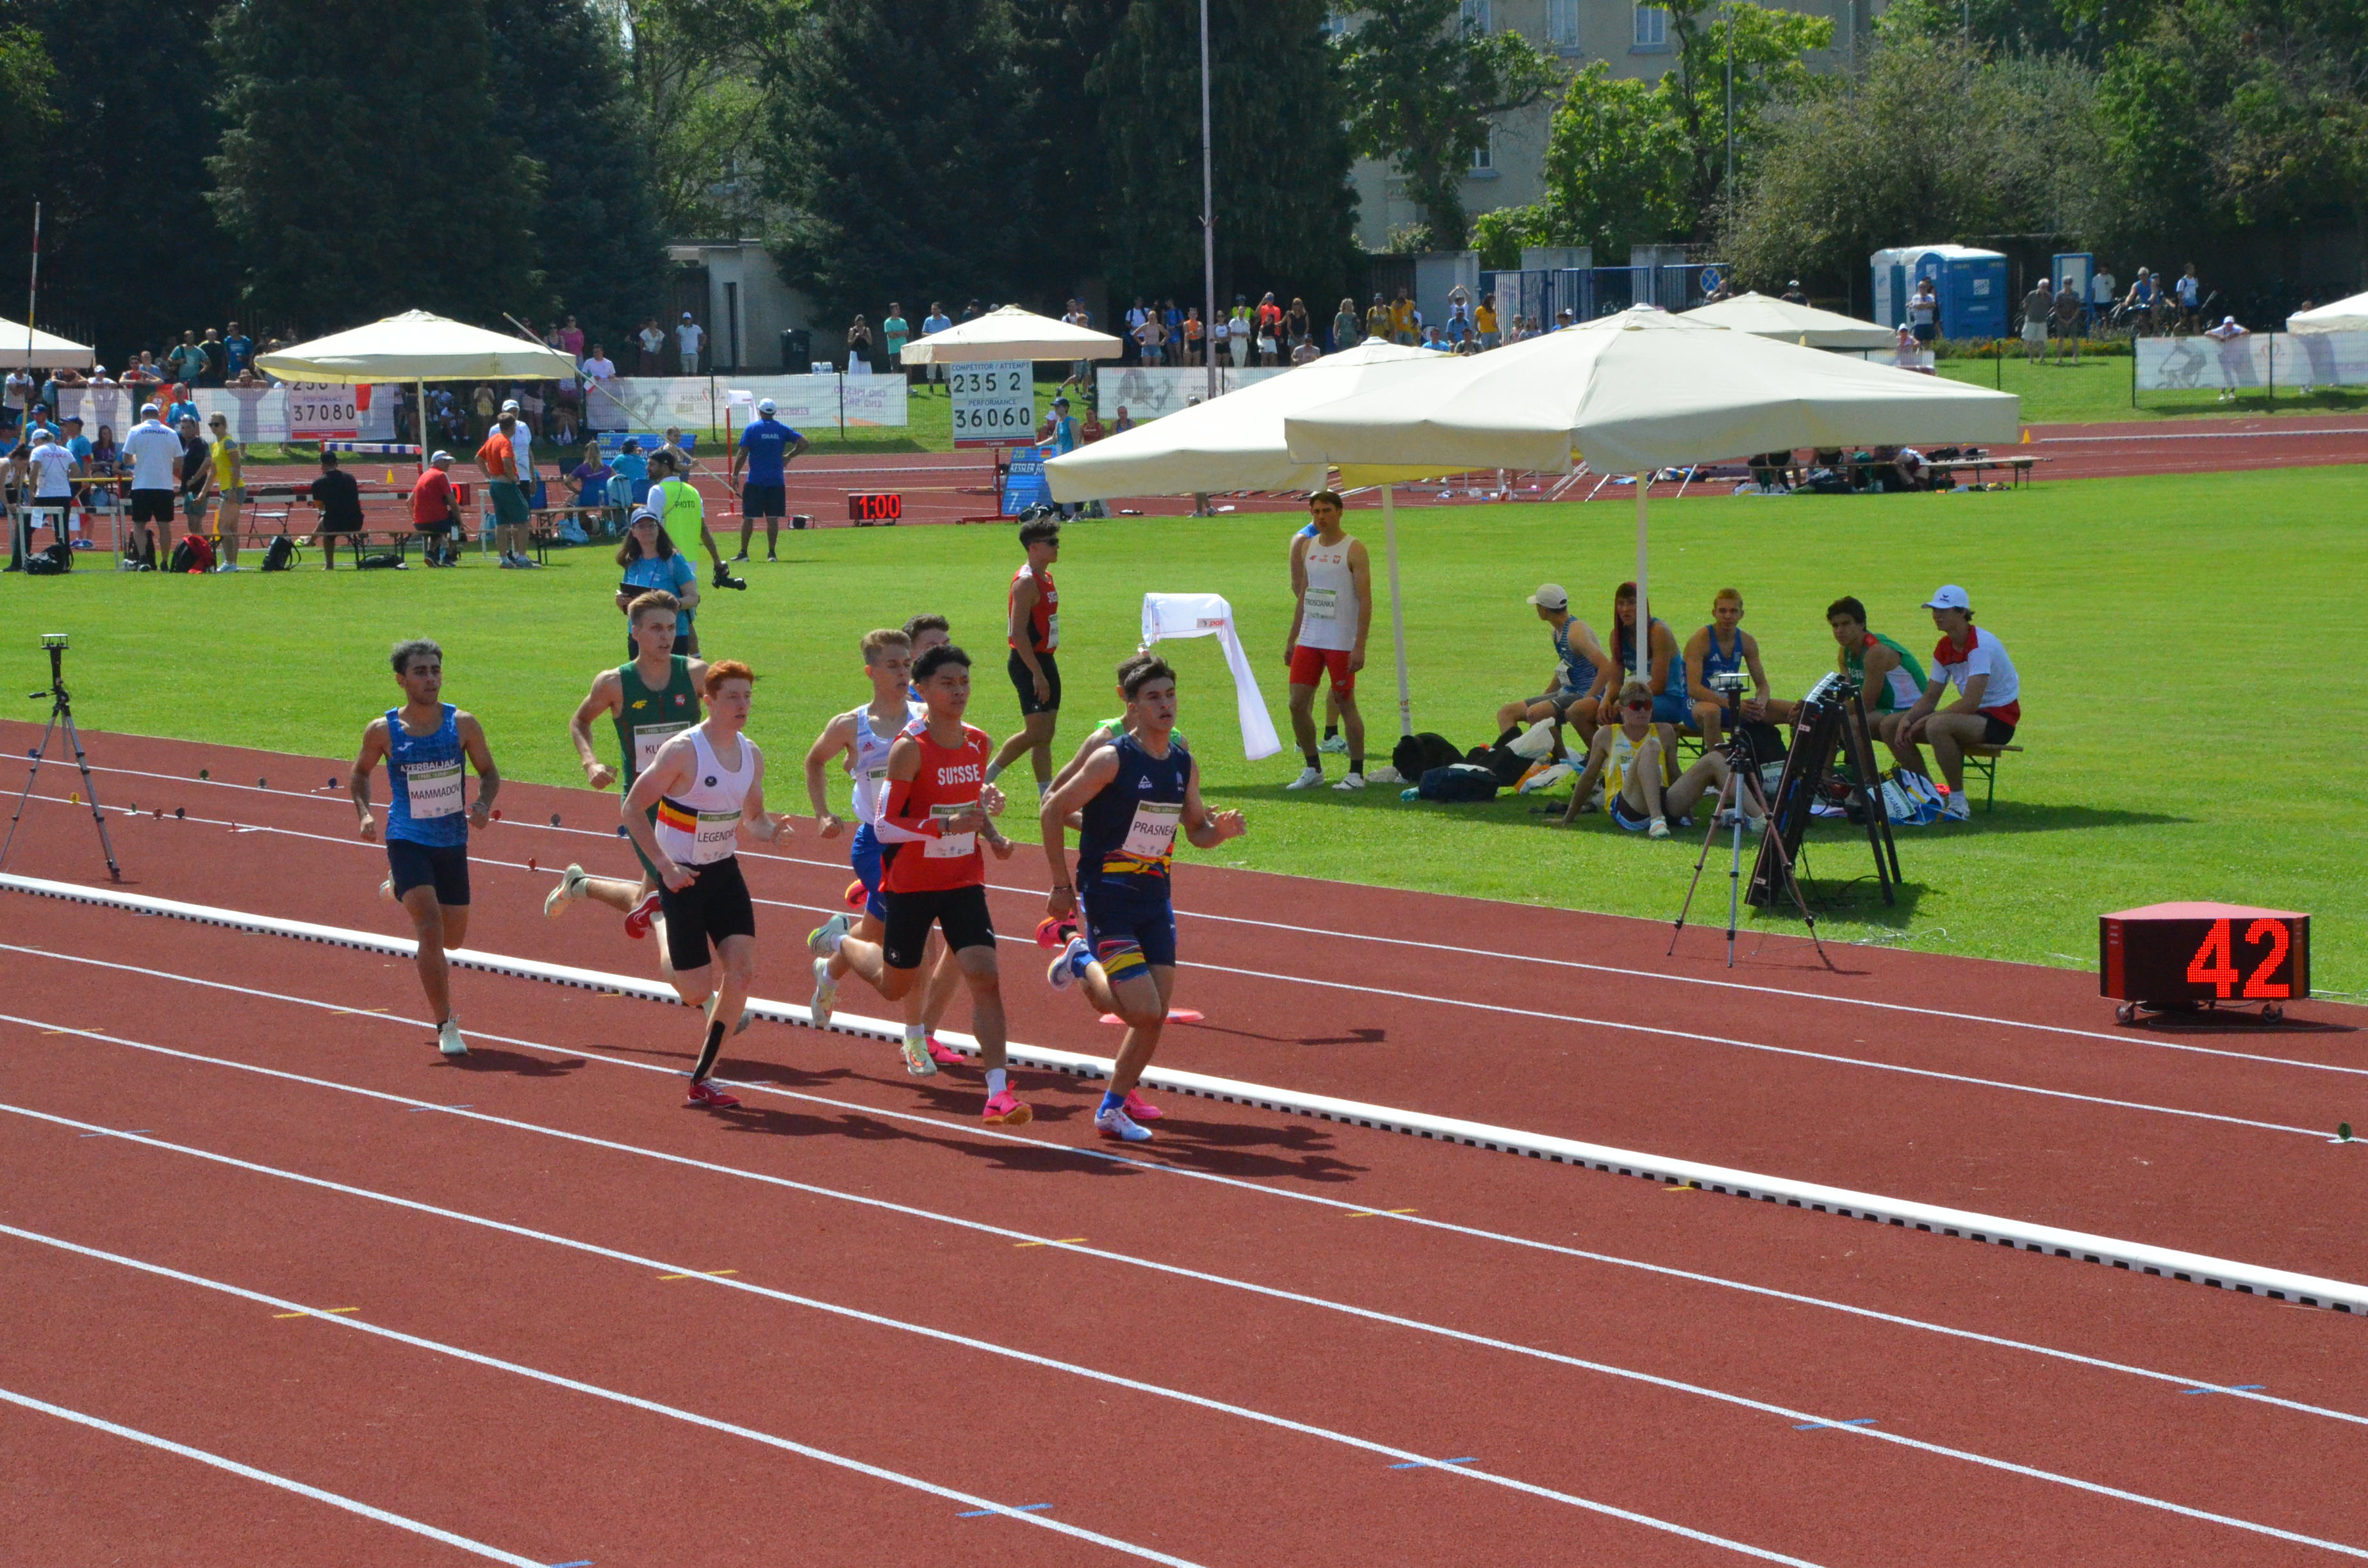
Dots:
{"x": 717, "y": 835}
{"x": 1152, "y": 835}
{"x": 1052, "y": 632}
{"x": 648, "y": 738}
{"x": 434, "y": 788}
{"x": 949, "y": 845}
{"x": 1323, "y": 603}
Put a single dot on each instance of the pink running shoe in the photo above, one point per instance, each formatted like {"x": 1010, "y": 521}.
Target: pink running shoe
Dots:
{"x": 637, "y": 923}
{"x": 945, "y": 1055}
{"x": 1141, "y": 1109}
{"x": 1007, "y": 1109}
{"x": 705, "y": 1093}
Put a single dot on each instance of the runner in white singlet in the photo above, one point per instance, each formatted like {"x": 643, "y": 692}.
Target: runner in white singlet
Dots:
{"x": 1332, "y": 580}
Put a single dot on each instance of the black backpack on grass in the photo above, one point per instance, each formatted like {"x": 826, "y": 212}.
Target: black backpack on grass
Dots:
{"x": 279, "y": 554}
{"x": 1416, "y": 754}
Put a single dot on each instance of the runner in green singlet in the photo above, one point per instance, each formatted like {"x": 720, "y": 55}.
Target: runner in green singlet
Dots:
{"x": 1890, "y": 676}
{"x": 648, "y": 699}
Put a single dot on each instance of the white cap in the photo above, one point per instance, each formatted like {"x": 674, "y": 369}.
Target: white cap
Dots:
{"x": 439, "y": 457}
{"x": 686, "y": 315}
{"x": 509, "y": 405}
{"x": 1949, "y": 596}
{"x": 1550, "y": 596}
{"x": 765, "y": 406}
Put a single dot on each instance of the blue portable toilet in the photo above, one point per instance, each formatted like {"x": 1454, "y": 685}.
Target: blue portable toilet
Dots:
{"x": 1971, "y": 285}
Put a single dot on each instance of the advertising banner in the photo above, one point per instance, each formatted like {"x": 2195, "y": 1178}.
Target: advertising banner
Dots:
{"x": 697, "y": 403}
{"x": 1148, "y": 393}
{"x": 299, "y": 412}
{"x": 2258, "y": 361}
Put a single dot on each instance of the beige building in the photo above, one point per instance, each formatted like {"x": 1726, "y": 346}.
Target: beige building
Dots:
{"x": 1635, "y": 41}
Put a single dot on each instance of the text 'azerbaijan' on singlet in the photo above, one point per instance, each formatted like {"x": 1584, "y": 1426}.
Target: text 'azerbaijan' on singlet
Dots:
{"x": 429, "y": 782}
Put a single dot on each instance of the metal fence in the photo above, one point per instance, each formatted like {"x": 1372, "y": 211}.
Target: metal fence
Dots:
{"x": 1589, "y": 293}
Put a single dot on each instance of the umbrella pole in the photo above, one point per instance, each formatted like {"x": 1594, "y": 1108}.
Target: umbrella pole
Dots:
{"x": 1643, "y": 614}
{"x": 1398, "y": 606}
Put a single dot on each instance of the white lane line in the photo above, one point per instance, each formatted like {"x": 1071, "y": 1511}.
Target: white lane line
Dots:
{"x": 943, "y": 1336}
{"x": 1238, "y": 1183}
{"x": 1367, "y": 989}
{"x": 2218, "y": 1273}
{"x": 805, "y": 1450}
{"x": 1269, "y": 1292}
{"x": 249, "y": 1473}
{"x": 2106, "y": 1036}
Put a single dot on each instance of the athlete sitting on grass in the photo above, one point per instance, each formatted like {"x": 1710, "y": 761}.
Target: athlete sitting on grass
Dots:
{"x": 650, "y": 699}
{"x": 427, "y": 828}
{"x": 1133, "y": 795}
{"x": 862, "y": 737}
{"x": 705, "y": 783}
{"x": 1626, "y": 758}
{"x": 936, "y": 874}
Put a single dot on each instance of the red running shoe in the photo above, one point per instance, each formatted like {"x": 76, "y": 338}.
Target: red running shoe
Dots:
{"x": 945, "y": 1055}
{"x": 857, "y": 895}
{"x": 637, "y": 922}
{"x": 1141, "y": 1109}
{"x": 1053, "y": 932}
{"x": 705, "y": 1093}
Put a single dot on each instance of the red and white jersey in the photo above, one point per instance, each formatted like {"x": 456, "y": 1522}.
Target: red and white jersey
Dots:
{"x": 1982, "y": 654}
{"x": 1329, "y": 610}
{"x": 1043, "y": 619}
{"x": 925, "y": 858}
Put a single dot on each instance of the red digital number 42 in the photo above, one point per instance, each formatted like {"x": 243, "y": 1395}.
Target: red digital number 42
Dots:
{"x": 2214, "y": 962}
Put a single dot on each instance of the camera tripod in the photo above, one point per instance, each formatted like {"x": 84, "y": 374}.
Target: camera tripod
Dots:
{"x": 61, "y": 713}
{"x": 1742, "y": 784}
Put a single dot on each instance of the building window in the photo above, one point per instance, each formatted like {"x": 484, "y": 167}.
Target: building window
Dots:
{"x": 1652, "y": 28}
{"x": 1476, "y": 16}
{"x": 1562, "y": 23}
{"x": 1483, "y": 156}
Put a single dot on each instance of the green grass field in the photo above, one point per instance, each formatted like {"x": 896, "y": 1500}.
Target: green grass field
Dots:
{"x": 2158, "y": 626}
{"x": 2096, "y": 390}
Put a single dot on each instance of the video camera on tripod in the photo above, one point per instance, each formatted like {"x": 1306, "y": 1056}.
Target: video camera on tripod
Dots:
{"x": 60, "y": 714}
{"x": 1831, "y": 725}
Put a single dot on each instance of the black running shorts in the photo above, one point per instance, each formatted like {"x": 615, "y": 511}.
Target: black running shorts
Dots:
{"x": 715, "y": 905}
{"x": 961, "y": 912}
{"x": 152, "y": 506}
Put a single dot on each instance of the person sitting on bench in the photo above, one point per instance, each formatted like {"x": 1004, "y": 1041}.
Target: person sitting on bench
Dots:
{"x": 1989, "y": 704}
{"x": 340, "y": 500}
{"x": 1626, "y": 759}
{"x": 1725, "y": 648}
{"x": 1578, "y": 658}
{"x": 1890, "y": 678}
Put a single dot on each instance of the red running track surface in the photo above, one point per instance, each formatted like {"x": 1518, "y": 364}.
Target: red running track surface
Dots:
{"x": 1503, "y": 1275}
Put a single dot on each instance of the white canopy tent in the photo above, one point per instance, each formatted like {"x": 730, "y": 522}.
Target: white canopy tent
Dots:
{"x": 46, "y": 349}
{"x": 419, "y": 348}
{"x": 2343, "y": 315}
{"x": 1763, "y": 316}
{"x": 1011, "y": 332}
{"x": 1235, "y": 442}
{"x": 1638, "y": 391}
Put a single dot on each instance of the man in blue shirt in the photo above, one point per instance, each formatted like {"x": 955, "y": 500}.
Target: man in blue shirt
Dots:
{"x": 239, "y": 350}
{"x": 767, "y": 446}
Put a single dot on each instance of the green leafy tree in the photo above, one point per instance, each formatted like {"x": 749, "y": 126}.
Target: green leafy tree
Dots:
{"x": 1283, "y": 203}
{"x": 559, "y": 81}
{"x": 358, "y": 174}
{"x": 1615, "y": 173}
{"x": 701, "y": 73}
{"x": 890, "y": 140}
{"x": 1765, "y": 57}
{"x": 1422, "y": 91}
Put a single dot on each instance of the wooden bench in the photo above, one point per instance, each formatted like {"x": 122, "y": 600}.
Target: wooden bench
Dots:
{"x": 2018, "y": 467}
{"x": 1984, "y": 761}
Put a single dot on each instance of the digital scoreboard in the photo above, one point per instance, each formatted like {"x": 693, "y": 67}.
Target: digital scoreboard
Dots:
{"x": 866, "y": 507}
{"x": 2187, "y": 956}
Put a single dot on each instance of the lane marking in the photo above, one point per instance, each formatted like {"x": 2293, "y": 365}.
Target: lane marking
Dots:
{"x": 1377, "y": 1213}
{"x": 1409, "y": 1217}
{"x": 2142, "y": 1257}
{"x": 1833, "y": 1425}
{"x": 2104, "y": 1035}
{"x": 110, "y": 1132}
{"x": 249, "y": 1473}
{"x": 464, "y": 1105}
{"x": 874, "y": 1319}
{"x": 633, "y": 1401}
{"x": 701, "y": 1274}
{"x": 1269, "y": 1292}
{"x": 1064, "y": 1241}
{"x": 983, "y": 1513}
{"x": 317, "y": 1312}
{"x": 1430, "y": 1464}
{"x": 2230, "y": 1388}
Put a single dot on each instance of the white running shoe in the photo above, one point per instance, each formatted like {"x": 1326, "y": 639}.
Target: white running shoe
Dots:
{"x": 824, "y": 939}
{"x": 1336, "y": 745}
{"x": 1658, "y": 828}
{"x": 1309, "y": 778}
{"x": 1118, "y": 1124}
{"x": 570, "y": 888}
{"x": 1064, "y": 973}
{"x": 386, "y": 890}
{"x": 447, "y": 1038}
{"x": 1352, "y": 781}
{"x": 825, "y": 993}
{"x": 1957, "y": 808}
{"x": 917, "y": 1060}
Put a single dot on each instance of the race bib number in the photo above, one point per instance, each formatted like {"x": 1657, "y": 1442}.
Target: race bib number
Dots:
{"x": 1052, "y": 632}
{"x": 949, "y": 845}
{"x": 1323, "y": 603}
{"x": 434, "y": 788}
{"x": 1152, "y": 835}
{"x": 717, "y": 835}
{"x": 647, "y": 739}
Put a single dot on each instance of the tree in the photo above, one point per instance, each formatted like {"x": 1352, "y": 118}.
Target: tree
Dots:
{"x": 700, "y": 73}
{"x": 559, "y": 81}
{"x": 1615, "y": 173}
{"x": 891, "y": 126}
{"x": 1422, "y": 91}
{"x": 1283, "y": 203}
{"x": 1764, "y": 65}
{"x": 358, "y": 174}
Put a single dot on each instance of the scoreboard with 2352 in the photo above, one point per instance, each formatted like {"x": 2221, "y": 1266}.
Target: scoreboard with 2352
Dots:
{"x": 2185, "y": 953}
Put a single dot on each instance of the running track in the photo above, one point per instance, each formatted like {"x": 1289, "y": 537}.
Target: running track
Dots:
{"x": 1231, "y": 1349}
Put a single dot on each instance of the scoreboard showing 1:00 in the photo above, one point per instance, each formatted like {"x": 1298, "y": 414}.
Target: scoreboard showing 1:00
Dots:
{"x": 2185, "y": 955}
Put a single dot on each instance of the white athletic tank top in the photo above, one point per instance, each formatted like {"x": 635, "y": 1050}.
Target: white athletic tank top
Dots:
{"x": 869, "y": 765}
{"x": 697, "y": 825}
{"x": 1329, "y": 620}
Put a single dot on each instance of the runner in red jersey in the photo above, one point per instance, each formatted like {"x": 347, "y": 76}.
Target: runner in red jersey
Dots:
{"x": 938, "y": 809}
{"x": 1034, "y": 632}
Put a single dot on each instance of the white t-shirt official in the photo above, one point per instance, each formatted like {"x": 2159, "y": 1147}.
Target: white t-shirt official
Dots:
{"x": 689, "y": 335}
{"x": 53, "y": 472}
{"x": 151, "y": 450}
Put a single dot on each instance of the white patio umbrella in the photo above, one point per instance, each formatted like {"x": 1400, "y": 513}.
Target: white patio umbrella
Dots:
{"x": 43, "y": 349}
{"x": 1763, "y": 316}
{"x": 1642, "y": 390}
{"x": 1235, "y": 442}
{"x": 1010, "y": 334}
{"x": 2343, "y": 315}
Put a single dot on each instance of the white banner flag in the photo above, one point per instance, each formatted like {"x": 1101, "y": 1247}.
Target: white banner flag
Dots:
{"x": 1148, "y": 393}
{"x": 2258, "y": 361}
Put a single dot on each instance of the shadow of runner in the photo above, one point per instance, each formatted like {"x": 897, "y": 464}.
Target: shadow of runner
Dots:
{"x": 493, "y": 1059}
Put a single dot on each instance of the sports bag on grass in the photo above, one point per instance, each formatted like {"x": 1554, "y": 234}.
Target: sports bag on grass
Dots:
{"x": 279, "y": 554}
{"x": 1417, "y": 753}
{"x": 1460, "y": 781}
